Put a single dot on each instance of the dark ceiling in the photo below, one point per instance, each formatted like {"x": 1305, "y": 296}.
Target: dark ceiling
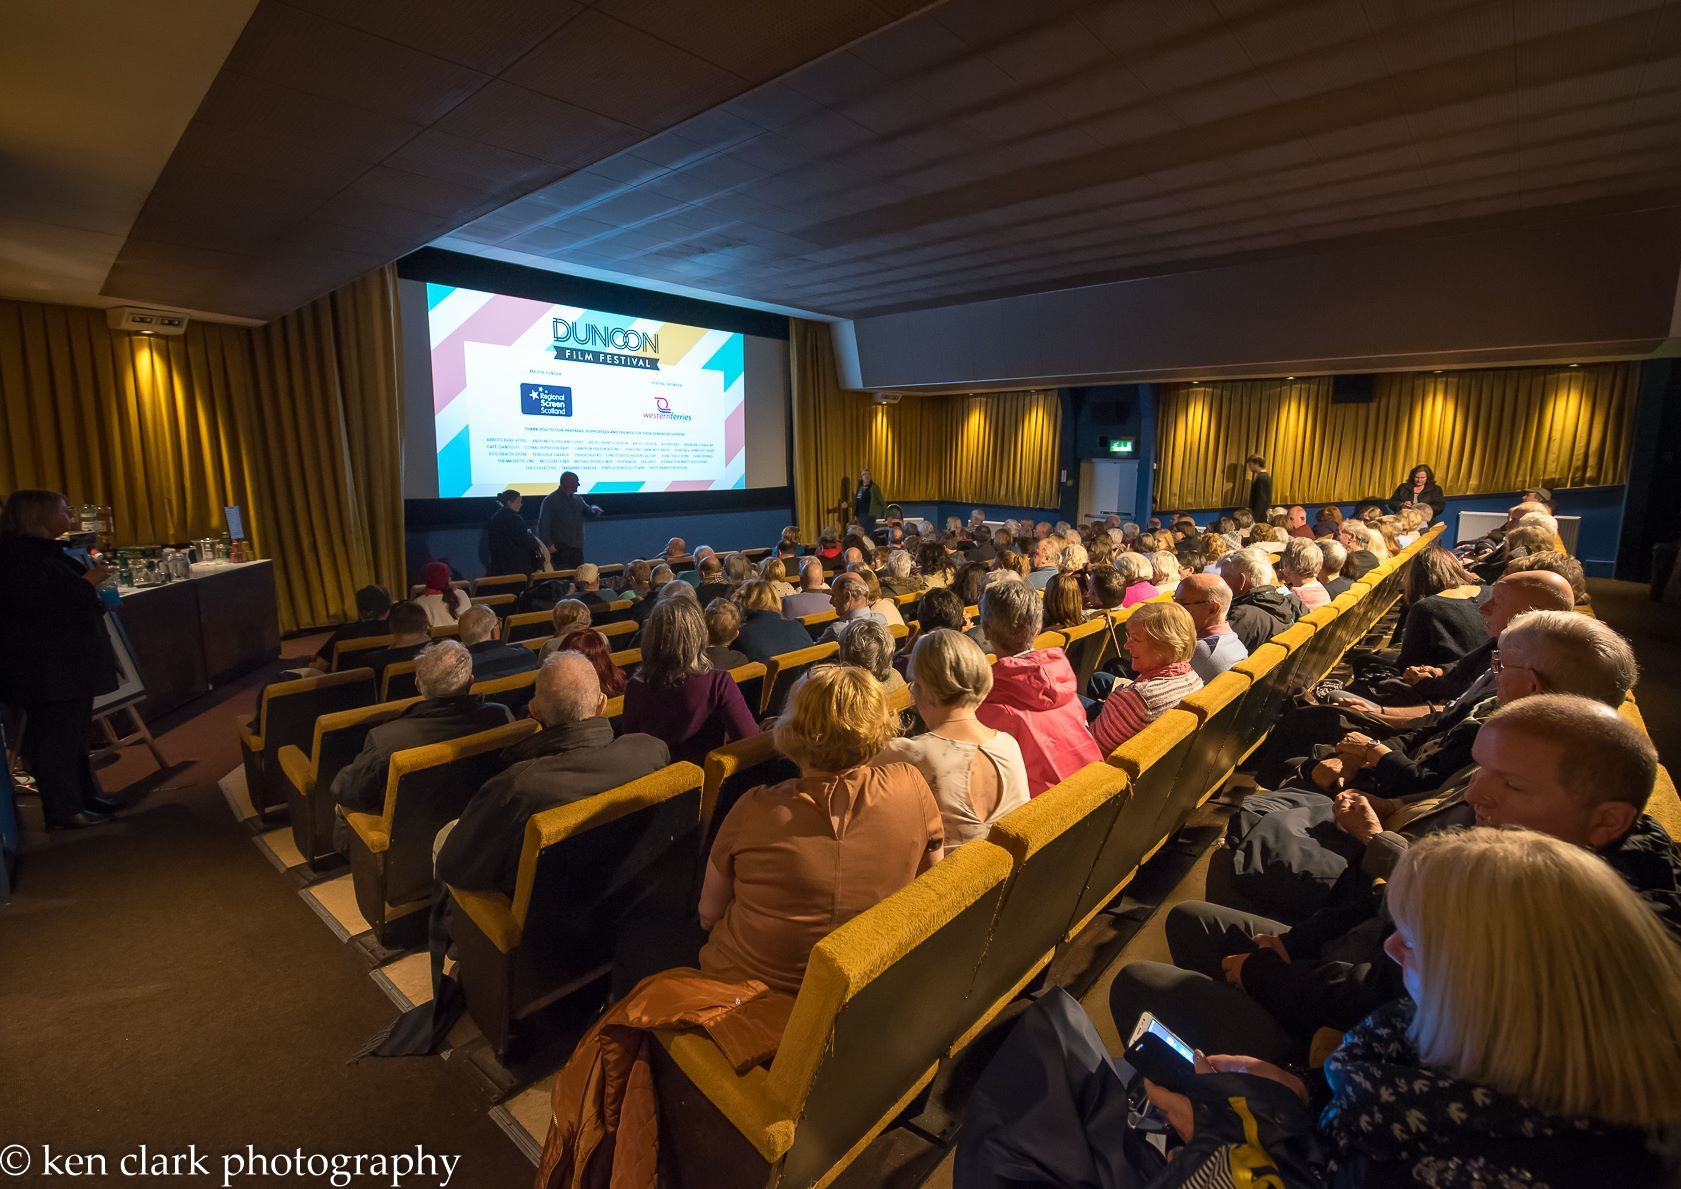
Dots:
{"x": 976, "y": 148}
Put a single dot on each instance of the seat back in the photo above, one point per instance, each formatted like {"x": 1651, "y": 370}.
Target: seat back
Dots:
{"x": 1265, "y": 701}
{"x": 732, "y": 770}
{"x": 628, "y": 661}
{"x": 348, "y": 654}
{"x": 427, "y": 787}
{"x": 818, "y": 622}
{"x": 618, "y": 634}
{"x": 585, "y": 868}
{"x": 338, "y": 740}
{"x": 527, "y": 625}
{"x": 398, "y": 681}
{"x": 513, "y": 691}
{"x": 442, "y": 631}
{"x": 500, "y": 584}
{"x": 1321, "y": 653}
{"x": 288, "y": 710}
{"x": 1053, "y": 842}
{"x": 883, "y": 998}
{"x": 750, "y": 680}
{"x": 786, "y": 668}
{"x": 1293, "y": 640}
{"x": 1087, "y": 645}
{"x": 1048, "y": 640}
{"x": 1217, "y": 708}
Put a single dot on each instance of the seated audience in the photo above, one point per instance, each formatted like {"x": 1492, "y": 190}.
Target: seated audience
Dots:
{"x": 870, "y": 647}
{"x": 1108, "y": 588}
{"x": 481, "y": 632}
{"x": 407, "y": 624}
{"x": 1047, "y": 562}
{"x": 941, "y": 608}
{"x": 573, "y": 757}
{"x": 1561, "y": 765}
{"x": 1033, "y": 693}
{"x": 814, "y": 592}
{"x": 676, "y": 694}
{"x": 675, "y": 549}
{"x": 969, "y": 582}
{"x": 1295, "y": 523}
{"x": 1164, "y": 569}
{"x": 1207, "y": 598}
{"x": 1327, "y": 522}
{"x": 1443, "y": 600}
{"x": 764, "y": 633}
{"x": 1259, "y": 611}
{"x": 442, "y": 602}
{"x": 899, "y": 579}
{"x": 1135, "y": 570}
{"x": 1268, "y": 539}
{"x": 1065, "y": 603}
{"x": 977, "y": 773}
{"x": 443, "y": 673}
{"x": 1362, "y": 545}
{"x": 934, "y": 566}
{"x": 723, "y": 626}
{"x": 878, "y": 600}
{"x": 774, "y": 572}
{"x": 594, "y": 647}
{"x": 373, "y": 604}
{"x": 712, "y": 583}
{"x": 638, "y": 581}
{"x": 1010, "y": 565}
{"x": 569, "y": 615}
{"x": 1160, "y": 640}
{"x": 586, "y": 585}
{"x": 773, "y": 887}
{"x": 1562, "y": 564}
{"x": 1333, "y": 558}
{"x": 850, "y": 598}
{"x": 1298, "y": 568}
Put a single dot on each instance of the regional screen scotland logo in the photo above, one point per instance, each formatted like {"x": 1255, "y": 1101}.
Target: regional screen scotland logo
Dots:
{"x": 545, "y": 400}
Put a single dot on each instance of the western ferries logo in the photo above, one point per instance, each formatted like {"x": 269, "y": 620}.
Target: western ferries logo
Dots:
{"x": 615, "y": 346}
{"x": 663, "y": 404}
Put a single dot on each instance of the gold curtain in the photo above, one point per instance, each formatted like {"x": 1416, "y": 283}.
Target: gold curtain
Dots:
{"x": 299, "y": 422}
{"x": 1481, "y": 431}
{"x": 1000, "y": 448}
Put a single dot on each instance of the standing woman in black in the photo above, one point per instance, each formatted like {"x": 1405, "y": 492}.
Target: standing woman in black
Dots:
{"x": 54, "y": 655}
{"x": 1419, "y": 491}
{"x": 509, "y": 546}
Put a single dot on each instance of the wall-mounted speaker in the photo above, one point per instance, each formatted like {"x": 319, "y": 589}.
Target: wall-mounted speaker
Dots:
{"x": 1353, "y": 390}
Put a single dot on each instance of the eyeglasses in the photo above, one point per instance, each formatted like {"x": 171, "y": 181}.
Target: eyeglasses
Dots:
{"x": 1496, "y": 666}
{"x": 1197, "y": 603}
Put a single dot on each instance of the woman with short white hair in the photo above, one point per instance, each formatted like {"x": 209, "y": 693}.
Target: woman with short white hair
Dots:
{"x": 977, "y": 773}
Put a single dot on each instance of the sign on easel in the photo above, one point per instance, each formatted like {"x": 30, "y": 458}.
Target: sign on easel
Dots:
{"x": 125, "y": 698}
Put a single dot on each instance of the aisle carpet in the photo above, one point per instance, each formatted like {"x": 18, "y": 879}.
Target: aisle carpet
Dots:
{"x": 160, "y": 985}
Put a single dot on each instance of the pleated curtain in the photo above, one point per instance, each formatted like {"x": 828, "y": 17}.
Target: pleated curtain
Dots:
{"x": 1483, "y": 432}
{"x": 997, "y": 448}
{"x": 298, "y": 421}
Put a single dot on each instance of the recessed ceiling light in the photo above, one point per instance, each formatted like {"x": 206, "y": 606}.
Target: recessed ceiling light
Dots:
{"x": 1438, "y": 371}
{"x": 1289, "y": 377}
{"x": 1575, "y": 365}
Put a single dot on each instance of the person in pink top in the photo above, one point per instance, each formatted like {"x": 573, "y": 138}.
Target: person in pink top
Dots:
{"x": 1033, "y": 694}
{"x": 1136, "y": 570}
{"x": 1298, "y": 568}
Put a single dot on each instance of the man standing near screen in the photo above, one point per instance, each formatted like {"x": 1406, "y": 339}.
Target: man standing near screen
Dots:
{"x": 560, "y": 523}
{"x": 867, "y": 504}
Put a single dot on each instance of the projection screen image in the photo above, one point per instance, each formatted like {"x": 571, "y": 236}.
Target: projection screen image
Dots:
{"x": 523, "y": 390}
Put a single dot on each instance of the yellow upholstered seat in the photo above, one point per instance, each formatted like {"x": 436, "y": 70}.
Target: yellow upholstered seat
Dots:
{"x": 349, "y": 654}
{"x": 881, "y": 1002}
{"x": 425, "y": 787}
{"x": 398, "y": 681}
{"x": 582, "y": 865}
{"x": 527, "y": 625}
{"x": 510, "y": 584}
{"x": 513, "y": 691}
{"x": 337, "y": 740}
{"x": 786, "y": 668}
{"x": 286, "y": 714}
{"x": 1048, "y": 640}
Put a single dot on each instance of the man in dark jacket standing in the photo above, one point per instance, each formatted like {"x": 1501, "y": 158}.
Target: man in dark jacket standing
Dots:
{"x": 1259, "y": 609}
{"x": 560, "y": 523}
{"x": 446, "y": 711}
{"x": 574, "y": 756}
{"x": 1260, "y": 487}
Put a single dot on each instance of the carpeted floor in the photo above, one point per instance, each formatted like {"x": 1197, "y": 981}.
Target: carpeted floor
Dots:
{"x": 160, "y": 984}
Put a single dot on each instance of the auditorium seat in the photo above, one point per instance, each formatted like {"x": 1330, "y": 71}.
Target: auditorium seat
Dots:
{"x": 1153, "y": 760}
{"x": 552, "y": 576}
{"x": 615, "y": 612}
{"x": 1213, "y": 757}
{"x": 500, "y": 584}
{"x": 583, "y": 868}
{"x": 627, "y": 661}
{"x": 286, "y": 714}
{"x": 514, "y": 691}
{"x": 337, "y": 740}
{"x": 499, "y": 603}
{"x": 750, "y": 680}
{"x": 348, "y": 654}
{"x": 818, "y": 622}
{"x": 878, "y": 1009}
{"x": 444, "y": 631}
{"x": 1264, "y": 704}
{"x": 398, "y": 681}
{"x": 1053, "y": 842}
{"x": 527, "y": 625}
{"x": 732, "y": 770}
{"x": 1086, "y": 646}
{"x": 786, "y": 668}
{"x": 1048, "y": 639}
{"x": 618, "y": 633}
{"x": 391, "y": 851}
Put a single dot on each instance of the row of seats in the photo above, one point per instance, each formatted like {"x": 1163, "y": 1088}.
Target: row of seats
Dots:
{"x": 511, "y": 584}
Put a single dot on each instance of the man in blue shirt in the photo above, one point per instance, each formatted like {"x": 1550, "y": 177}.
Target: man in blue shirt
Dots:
{"x": 1207, "y": 598}
{"x": 560, "y": 523}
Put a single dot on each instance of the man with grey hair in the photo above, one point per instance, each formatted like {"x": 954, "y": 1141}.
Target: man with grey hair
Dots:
{"x": 850, "y": 598}
{"x": 1034, "y": 695}
{"x": 813, "y": 595}
{"x": 1208, "y": 599}
{"x": 1047, "y": 556}
{"x": 900, "y": 579}
{"x": 1258, "y": 611}
{"x": 446, "y": 710}
{"x": 693, "y": 576}
{"x": 481, "y": 632}
{"x": 1333, "y": 555}
{"x": 574, "y": 756}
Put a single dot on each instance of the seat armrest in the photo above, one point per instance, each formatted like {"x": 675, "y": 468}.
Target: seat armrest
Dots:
{"x": 742, "y": 1098}
{"x": 492, "y": 914}
{"x": 248, "y": 736}
{"x": 370, "y": 828}
{"x": 297, "y": 769}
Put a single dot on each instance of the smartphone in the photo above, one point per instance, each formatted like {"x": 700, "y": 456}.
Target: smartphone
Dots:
{"x": 1148, "y": 1025}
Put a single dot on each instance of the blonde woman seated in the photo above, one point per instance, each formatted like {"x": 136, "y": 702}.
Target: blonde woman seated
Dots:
{"x": 869, "y": 645}
{"x": 1160, "y": 640}
{"x": 569, "y": 615}
{"x": 977, "y": 773}
{"x": 775, "y": 573}
{"x": 793, "y": 861}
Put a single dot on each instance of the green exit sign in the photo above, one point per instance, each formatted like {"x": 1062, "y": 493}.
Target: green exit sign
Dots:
{"x": 1121, "y": 445}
